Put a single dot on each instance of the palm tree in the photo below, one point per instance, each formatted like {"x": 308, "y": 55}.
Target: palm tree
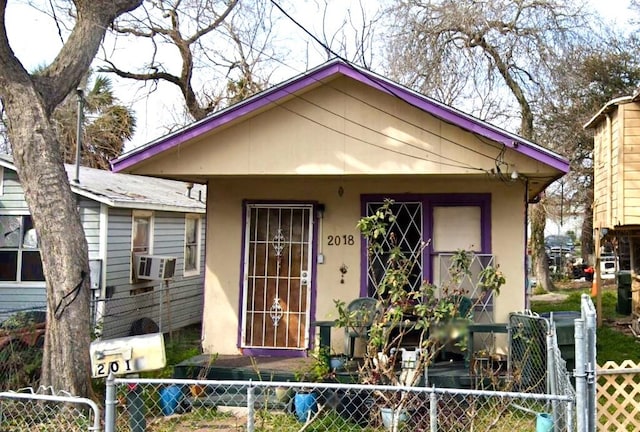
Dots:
{"x": 107, "y": 125}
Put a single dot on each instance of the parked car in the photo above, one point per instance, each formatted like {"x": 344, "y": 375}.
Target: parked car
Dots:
{"x": 558, "y": 244}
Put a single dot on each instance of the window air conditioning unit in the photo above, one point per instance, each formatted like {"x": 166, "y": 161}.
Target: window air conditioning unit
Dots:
{"x": 154, "y": 267}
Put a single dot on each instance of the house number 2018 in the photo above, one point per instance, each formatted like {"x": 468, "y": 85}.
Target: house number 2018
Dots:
{"x": 341, "y": 240}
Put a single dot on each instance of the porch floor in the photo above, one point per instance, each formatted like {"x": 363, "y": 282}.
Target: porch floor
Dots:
{"x": 450, "y": 374}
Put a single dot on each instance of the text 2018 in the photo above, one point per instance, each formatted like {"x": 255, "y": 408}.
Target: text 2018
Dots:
{"x": 341, "y": 240}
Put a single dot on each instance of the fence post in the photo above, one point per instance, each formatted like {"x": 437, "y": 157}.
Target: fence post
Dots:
{"x": 433, "y": 410}
{"x": 570, "y": 417}
{"x": 591, "y": 361}
{"x": 250, "y": 407}
{"x": 552, "y": 384}
{"x": 580, "y": 376}
{"x": 110, "y": 405}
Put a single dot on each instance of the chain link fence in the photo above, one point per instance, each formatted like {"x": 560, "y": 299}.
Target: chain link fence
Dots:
{"x": 139, "y": 405}
{"x": 45, "y": 411}
{"x": 528, "y": 352}
{"x": 155, "y": 308}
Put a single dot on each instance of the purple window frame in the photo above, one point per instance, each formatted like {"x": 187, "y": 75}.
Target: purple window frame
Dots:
{"x": 429, "y": 201}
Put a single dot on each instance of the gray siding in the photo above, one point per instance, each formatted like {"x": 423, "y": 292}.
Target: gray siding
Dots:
{"x": 12, "y": 199}
{"x": 17, "y": 297}
{"x": 90, "y": 217}
{"x": 21, "y": 296}
{"x": 179, "y": 302}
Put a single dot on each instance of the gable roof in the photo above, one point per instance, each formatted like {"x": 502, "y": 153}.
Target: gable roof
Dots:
{"x": 607, "y": 108}
{"x": 610, "y": 106}
{"x": 131, "y": 191}
{"x": 312, "y": 78}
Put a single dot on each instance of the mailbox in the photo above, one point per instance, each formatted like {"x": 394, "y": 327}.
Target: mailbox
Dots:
{"x": 127, "y": 355}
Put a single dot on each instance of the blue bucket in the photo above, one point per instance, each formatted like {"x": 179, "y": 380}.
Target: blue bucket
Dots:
{"x": 544, "y": 422}
{"x": 170, "y": 398}
{"x": 305, "y": 405}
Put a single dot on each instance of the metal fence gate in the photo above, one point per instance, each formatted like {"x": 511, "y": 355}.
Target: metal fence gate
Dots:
{"x": 30, "y": 411}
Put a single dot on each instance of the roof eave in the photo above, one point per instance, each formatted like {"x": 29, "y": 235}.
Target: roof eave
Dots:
{"x": 158, "y": 207}
{"x": 136, "y": 204}
{"x": 608, "y": 107}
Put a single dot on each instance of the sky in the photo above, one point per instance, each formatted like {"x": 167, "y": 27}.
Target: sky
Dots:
{"x": 164, "y": 107}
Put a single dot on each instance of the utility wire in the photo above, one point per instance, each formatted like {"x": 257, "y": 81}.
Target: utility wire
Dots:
{"x": 382, "y": 84}
{"x": 391, "y": 91}
{"x": 458, "y": 164}
{"x": 403, "y": 120}
{"x": 378, "y": 145}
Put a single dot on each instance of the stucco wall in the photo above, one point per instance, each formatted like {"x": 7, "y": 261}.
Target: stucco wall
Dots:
{"x": 224, "y": 240}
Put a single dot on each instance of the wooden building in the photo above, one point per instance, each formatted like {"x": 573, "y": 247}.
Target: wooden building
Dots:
{"x": 616, "y": 202}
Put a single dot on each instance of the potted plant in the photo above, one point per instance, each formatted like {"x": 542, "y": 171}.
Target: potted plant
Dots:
{"x": 305, "y": 399}
{"x": 337, "y": 362}
{"x": 404, "y": 311}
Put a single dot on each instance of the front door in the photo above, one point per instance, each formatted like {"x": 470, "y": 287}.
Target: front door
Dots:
{"x": 277, "y": 276}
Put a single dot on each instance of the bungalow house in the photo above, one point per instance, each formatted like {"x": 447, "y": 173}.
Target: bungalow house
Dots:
{"x": 123, "y": 216}
{"x": 291, "y": 170}
{"x": 616, "y": 195}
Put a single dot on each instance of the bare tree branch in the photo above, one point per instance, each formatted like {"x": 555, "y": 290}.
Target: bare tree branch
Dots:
{"x": 208, "y": 36}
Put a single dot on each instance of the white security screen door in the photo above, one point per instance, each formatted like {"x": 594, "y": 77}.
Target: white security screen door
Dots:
{"x": 277, "y": 276}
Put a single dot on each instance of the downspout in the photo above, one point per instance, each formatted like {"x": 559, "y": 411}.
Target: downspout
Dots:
{"x": 76, "y": 179}
{"x": 610, "y": 169}
{"x": 527, "y": 259}
{"x": 102, "y": 254}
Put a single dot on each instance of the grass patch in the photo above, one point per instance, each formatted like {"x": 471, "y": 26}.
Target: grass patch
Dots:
{"x": 184, "y": 345}
{"x": 572, "y": 303}
{"x": 612, "y": 344}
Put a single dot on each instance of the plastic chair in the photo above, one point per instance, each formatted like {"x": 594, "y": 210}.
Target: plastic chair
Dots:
{"x": 464, "y": 306}
{"x": 363, "y": 312}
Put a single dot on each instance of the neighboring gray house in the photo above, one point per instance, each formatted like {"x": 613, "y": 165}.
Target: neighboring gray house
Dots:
{"x": 123, "y": 216}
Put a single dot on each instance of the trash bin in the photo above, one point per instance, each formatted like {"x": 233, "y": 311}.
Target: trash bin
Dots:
{"x": 623, "y": 306}
{"x": 565, "y": 333}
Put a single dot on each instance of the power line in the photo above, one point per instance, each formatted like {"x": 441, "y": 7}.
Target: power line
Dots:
{"x": 458, "y": 164}
{"x": 381, "y": 84}
{"x": 377, "y": 145}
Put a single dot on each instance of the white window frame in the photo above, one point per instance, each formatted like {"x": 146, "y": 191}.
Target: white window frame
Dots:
{"x": 20, "y": 249}
{"x": 141, "y": 214}
{"x": 1, "y": 180}
{"x": 198, "y": 219}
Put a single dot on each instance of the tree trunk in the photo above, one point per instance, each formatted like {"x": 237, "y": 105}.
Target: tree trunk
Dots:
{"x": 586, "y": 236}
{"x": 540, "y": 262}
{"x": 29, "y": 101}
{"x": 63, "y": 245}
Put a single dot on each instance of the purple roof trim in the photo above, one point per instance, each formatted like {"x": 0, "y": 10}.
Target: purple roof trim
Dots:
{"x": 312, "y": 77}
